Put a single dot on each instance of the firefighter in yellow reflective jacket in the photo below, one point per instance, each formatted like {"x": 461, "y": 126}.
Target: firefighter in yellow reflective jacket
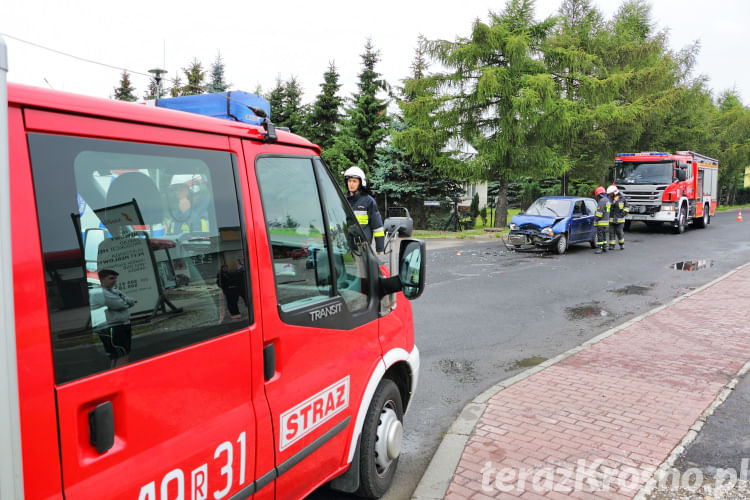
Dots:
{"x": 364, "y": 207}
{"x": 617, "y": 217}
{"x": 601, "y": 219}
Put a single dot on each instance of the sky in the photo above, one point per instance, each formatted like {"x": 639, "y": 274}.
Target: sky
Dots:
{"x": 262, "y": 41}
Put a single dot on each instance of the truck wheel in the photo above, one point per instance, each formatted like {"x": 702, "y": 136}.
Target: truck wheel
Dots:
{"x": 381, "y": 441}
{"x": 703, "y": 221}
{"x": 681, "y": 225}
{"x": 562, "y": 244}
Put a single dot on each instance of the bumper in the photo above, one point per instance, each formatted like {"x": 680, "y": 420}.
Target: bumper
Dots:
{"x": 536, "y": 239}
{"x": 660, "y": 216}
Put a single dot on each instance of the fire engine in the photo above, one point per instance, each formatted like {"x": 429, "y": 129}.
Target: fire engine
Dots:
{"x": 190, "y": 309}
{"x": 678, "y": 189}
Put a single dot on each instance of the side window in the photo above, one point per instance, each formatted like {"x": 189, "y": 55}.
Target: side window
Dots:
{"x": 294, "y": 218}
{"x": 579, "y": 208}
{"x": 350, "y": 255}
{"x": 307, "y": 270}
{"x": 590, "y": 207}
{"x": 143, "y": 249}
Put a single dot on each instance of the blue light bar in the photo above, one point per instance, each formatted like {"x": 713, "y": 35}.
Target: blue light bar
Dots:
{"x": 626, "y": 154}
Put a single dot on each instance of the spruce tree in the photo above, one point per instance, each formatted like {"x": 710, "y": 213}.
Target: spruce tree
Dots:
{"x": 366, "y": 123}
{"x": 276, "y": 100}
{"x": 291, "y": 110}
{"x": 408, "y": 171}
{"x": 195, "y": 76}
{"x": 175, "y": 88}
{"x": 125, "y": 92}
{"x": 323, "y": 121}
{"x": 218, "y": 82}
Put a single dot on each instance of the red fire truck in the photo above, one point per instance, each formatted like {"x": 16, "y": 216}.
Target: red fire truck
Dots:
{"x": 265, "y": 351}
{"x": 679, "y": 188}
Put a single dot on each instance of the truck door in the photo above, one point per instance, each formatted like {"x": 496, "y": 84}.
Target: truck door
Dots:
{"x": 156, "y": 382}
{"x": 319, "y": 316}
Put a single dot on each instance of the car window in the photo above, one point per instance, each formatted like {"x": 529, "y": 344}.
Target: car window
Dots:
{"x": 135, "y": 238}
{"x": 319, "y": 250}
{"x": 349, "y": 245}
{"x": 294, "y": 218}
{"x": 579, "y": 208}
{"x": 590, "y": 206}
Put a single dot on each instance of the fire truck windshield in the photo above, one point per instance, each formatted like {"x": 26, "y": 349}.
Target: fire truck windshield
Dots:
{"x": 644, "y": 172}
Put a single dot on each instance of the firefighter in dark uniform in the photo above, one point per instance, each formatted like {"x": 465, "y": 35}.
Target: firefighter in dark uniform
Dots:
{"x": 601, "y": 219}
{"x": 364, "y": 207}
{"x": 617, "y": 217}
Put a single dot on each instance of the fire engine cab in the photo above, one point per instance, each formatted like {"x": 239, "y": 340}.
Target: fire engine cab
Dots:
{"x": 678, "y": 189}
{"x": 190, "y": 310}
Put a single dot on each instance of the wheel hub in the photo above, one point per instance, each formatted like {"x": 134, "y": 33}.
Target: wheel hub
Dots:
{"x": 389, "y": 435}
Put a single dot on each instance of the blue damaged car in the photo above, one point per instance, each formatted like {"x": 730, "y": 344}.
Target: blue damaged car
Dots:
{"x": 554, "y": 222}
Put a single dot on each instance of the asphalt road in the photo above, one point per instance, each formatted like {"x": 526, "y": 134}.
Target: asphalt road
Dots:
{"x": 487, "y": 313}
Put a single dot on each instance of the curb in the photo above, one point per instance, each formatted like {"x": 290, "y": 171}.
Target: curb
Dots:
{"x": 439, "y": 474}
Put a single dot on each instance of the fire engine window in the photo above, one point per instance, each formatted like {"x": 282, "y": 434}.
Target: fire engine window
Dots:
{"x": 296, "y": 230}
{"x": 349, "y": 245}
{"x": 143, "y": 249}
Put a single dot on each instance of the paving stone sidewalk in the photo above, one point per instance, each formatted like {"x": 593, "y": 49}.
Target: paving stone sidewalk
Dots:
{"x": 598, "y": 423}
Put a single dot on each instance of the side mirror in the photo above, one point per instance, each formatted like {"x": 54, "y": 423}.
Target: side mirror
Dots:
{"x": 412, "y": 260}
{"x": 681, "y": 174}
{"x": 401, "y": 223}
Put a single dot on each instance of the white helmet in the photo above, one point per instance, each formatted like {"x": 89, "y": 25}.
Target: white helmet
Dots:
{"x": 356, "y": 172}
{"x": 612, "y": 189}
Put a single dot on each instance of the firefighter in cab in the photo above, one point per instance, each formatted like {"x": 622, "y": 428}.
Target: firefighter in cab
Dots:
{"x": 601, "y": 219}
{"x": 617, "y": 217}
{"x": 364, "y": 207}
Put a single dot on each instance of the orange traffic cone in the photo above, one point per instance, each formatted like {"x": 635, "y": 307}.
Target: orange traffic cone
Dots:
{"x": 739, "y": 216}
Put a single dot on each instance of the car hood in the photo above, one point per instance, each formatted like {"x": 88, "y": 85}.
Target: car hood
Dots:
{"x": 539, "y": 221}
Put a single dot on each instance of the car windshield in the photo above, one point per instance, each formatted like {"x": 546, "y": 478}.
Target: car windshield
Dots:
{"x": 644, "y": 172}
{"x": 549, "y": 207}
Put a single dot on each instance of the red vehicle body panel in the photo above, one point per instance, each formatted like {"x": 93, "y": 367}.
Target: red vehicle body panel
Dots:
{"x": 202, "y": 412}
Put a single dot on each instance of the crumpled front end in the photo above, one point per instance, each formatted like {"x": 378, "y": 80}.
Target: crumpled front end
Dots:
{"x": 531, "y": 238}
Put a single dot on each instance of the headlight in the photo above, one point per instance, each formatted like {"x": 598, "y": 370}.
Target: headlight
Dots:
{"x": 548, "y": 231}
{"x": 513, "y": 227}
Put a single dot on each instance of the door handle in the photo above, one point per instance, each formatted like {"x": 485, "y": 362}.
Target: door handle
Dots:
{"x": 102, "y": 427}
{"x": 269, "y": 362}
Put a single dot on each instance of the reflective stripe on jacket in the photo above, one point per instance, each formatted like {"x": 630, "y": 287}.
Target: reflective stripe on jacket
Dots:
{"x": 601, "y": 217}
{"x": 619, "y": 209}
{"x": 367, "y": 214}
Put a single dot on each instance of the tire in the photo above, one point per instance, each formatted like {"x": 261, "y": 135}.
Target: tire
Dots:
{"x": 626, "y": 227}
{"x": 703, "y": 221}
{"x": 562, "y": 244}
{"x": 681, "y": 225}
{"x": 593, "y": 242}
{"x": 381, "y": 441}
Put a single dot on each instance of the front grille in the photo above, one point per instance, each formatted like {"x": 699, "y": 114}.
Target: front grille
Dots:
{"x": 645, "y": 196}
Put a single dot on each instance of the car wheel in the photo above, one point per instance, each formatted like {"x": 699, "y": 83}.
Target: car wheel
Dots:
{"x": 381, "y": 441}
{"x": 562, "y": 244}
{"x": 681, "y": 221}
